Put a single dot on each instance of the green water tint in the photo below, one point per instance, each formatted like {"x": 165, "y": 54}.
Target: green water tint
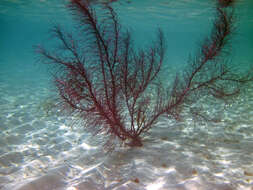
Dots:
{"x": 43, "y": 151}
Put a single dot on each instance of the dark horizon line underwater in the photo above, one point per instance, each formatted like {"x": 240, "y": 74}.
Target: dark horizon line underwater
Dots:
{"x": 206, "y": 141}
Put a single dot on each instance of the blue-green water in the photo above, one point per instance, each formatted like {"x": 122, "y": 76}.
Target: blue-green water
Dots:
{"x": 39, "y": 149}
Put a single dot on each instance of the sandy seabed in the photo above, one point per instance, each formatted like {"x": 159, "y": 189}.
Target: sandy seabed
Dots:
{"x": 40, "y": 151}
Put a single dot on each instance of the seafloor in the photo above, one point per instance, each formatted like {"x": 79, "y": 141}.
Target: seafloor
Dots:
{"x": 40, "y": 151}
{"x": 43, "y": 149}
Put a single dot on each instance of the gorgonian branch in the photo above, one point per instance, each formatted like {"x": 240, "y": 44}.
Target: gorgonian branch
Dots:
{"x": 115, "y": 86}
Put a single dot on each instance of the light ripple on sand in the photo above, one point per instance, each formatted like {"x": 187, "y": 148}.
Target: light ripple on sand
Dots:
{"x": 43, "y": 151}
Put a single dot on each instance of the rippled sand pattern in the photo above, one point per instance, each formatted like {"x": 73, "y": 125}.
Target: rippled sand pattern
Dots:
{"x": 39, "y": 150}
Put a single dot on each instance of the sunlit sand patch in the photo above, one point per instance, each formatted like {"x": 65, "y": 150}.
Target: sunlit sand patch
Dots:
{"x": 226, "y": 163}
{"x": 72, "y": 188}
{"x": 219, "y": 174}
{"x": 156, "y": 185}
{"x": 170, "y": 170}
{"x": 87, "y": 147}
{"x": 64, "y": 127}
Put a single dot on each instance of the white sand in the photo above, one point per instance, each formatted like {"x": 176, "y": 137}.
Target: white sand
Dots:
{"x": 39, "y": 150}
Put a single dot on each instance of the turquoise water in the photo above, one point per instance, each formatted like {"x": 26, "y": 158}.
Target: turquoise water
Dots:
{"x": 39, "y": 149}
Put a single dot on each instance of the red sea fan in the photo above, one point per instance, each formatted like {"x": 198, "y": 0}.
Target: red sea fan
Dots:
{"x": 104, "y": 79}
{"x": 114, "y": 87}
